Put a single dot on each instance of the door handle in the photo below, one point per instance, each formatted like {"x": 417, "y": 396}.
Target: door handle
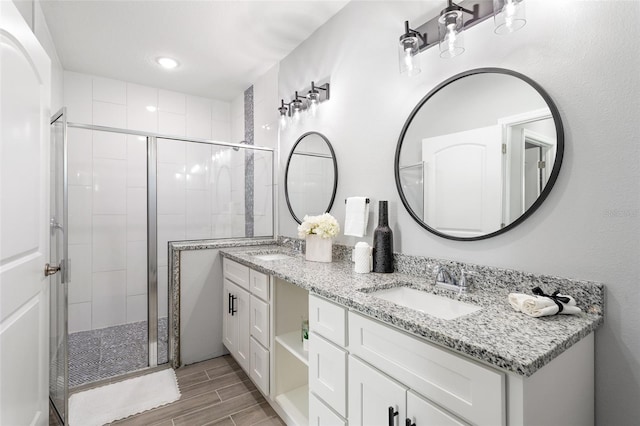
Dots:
{"x": 50, "y": 270}
{"x": 392, "y": 414}
{"x": 233, "y": 305}
{"x": 230, "y": 302}
{"x": 408, "y": 422}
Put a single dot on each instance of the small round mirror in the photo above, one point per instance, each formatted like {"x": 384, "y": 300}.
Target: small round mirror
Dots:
{"x": 479, "y": 154}
{"x": 311, "y": 176}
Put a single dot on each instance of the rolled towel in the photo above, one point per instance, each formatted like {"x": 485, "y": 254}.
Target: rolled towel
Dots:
{"x": 540, "y": 306}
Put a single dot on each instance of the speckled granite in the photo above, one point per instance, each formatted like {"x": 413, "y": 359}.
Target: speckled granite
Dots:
{"x": 496, "y": 334}
{"x": 174, "y": 282}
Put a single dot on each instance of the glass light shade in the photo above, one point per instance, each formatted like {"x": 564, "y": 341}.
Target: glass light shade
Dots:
{"x": 283, "y": 122}
{"x": 509, "y": 16}
{"x": 450, "y": 26}
{"x": 313, "y": 99}
{"x": 408, "y": 50}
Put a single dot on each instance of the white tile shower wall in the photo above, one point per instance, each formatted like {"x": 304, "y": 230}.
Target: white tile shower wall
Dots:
{"x": 107, "y": 192}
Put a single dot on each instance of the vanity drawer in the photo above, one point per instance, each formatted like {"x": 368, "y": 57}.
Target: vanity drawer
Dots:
{"x": 236, "y": 272}
{"x": 328, "y": 373}
{"x": 259, "y": 321}
{"x": 259, "y": 366}
{"x": 328, "y": 320}
{"x": 472, "y": 391}
{"x": 259, "y": 284}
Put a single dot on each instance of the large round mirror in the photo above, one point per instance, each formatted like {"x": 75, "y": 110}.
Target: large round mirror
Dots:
{"x": 479, "y": 154}
{"x": 311, "y": 176}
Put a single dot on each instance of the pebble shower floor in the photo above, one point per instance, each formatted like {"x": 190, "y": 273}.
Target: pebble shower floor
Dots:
{"x": 107, "y": 352}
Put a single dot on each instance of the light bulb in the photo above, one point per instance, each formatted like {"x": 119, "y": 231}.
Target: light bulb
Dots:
{"x": 451, "y": 38}
{"x": 283, "y": 122}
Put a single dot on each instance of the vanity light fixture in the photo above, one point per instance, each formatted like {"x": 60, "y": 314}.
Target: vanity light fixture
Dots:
{"x": 299, "y": 103}
{"x": 509, "y": 16}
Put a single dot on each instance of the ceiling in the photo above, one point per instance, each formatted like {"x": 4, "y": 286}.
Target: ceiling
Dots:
{"x": 222, "y": 46}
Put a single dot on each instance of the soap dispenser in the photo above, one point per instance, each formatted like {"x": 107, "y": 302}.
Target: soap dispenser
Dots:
{"x": 362, "y": 256}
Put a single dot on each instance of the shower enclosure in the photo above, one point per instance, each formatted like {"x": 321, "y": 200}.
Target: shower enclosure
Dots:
{"x": 118, "y": 197}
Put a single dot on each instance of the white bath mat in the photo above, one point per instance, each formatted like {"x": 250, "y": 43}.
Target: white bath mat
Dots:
{"x": 119, "y": 400}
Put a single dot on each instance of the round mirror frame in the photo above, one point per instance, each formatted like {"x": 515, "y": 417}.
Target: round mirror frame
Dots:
{"x": 554, "y": 173}
{"x": 335, "y": 174}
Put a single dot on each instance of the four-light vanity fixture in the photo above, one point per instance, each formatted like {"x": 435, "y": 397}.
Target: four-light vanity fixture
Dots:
{"x": 509, "y": 16}
{"x": 299, "y": 103}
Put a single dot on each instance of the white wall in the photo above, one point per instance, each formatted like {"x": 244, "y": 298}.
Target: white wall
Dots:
{"x": 107, "y": 191}
{"x": 585, "y": 55}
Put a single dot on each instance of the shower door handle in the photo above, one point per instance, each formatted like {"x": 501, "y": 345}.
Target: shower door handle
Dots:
{"x": 50, "y": 270}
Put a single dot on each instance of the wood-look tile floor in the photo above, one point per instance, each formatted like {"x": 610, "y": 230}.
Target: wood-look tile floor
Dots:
{"x": 214, "y": 392}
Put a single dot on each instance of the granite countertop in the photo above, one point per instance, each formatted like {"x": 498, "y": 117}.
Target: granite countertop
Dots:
{"x": 496, "y": 334}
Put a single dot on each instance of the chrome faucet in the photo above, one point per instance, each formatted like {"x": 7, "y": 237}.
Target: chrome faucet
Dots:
{"x": 444, "y": 279}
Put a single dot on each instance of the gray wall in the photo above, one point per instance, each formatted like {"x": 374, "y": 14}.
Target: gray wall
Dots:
{"x": 585, "y": 55}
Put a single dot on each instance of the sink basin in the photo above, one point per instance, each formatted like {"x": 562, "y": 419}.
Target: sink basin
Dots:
{"x": 431, "y": 304}
{"x": 272, "y": 256}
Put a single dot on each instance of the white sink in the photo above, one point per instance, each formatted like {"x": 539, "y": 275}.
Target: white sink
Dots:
{"x": 272, "y": 256}
{"x": 431, "y": 304}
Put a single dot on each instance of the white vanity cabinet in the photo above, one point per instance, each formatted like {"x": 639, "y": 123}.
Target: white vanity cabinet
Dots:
{"x": 246, "y": 320}
{"x": 327, "y": 359}
{"x": 472, "y": 391}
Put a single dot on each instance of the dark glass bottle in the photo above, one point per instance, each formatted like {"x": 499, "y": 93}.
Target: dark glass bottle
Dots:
{"x": 383, "y": 242}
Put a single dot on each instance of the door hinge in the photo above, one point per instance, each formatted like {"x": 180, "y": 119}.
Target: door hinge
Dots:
{"x": 504, "y": 148}
{"x": 541, "y": 164}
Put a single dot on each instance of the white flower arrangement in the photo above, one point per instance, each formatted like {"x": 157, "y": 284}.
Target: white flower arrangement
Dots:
{"x": 324, "y": 225}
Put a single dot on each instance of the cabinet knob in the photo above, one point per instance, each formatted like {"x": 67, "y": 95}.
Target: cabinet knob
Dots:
{"x": 392, "y": 414}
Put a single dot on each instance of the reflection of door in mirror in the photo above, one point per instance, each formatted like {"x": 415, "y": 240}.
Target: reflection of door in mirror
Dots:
{"x": 530, "y": 149}
{"x": 463, "y": 183}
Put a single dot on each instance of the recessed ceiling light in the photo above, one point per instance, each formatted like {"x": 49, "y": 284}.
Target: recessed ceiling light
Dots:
{"x": 168, "y": 63}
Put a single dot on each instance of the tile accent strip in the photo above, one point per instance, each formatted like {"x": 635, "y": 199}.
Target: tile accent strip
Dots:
{"x": 248, "y": 163}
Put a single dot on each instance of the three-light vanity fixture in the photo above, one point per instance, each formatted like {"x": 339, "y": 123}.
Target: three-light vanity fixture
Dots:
{"x": 509, "y": 16}
{"x": 300, "y": 103}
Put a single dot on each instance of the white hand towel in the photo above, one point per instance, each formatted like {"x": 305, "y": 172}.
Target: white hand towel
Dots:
{"x": 540, "y": 306}
{"x": 356, "y": 216}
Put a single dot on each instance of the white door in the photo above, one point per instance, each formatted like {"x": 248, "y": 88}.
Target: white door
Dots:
{"x": 24, "y": 208}
{"x": 372, "y": 395}
{"x": 463, "y": 181}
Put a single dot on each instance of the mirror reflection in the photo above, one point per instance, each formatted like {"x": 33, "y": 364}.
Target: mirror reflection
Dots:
{"x": 311, "y": 176}
{"x": 478, "y": 154}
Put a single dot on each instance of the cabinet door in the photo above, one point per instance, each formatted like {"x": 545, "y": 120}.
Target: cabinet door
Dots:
{"x": 229, "y": 323}
{"x": 321, "y": 415}
{"x": 242, "y": 304}
{"x": 259, "y": 366}
{"x": 372, "y": 394}
{"x": 260, "y": 321}
{"x": 328, "y": 373}
{"x": 422, "y": 412}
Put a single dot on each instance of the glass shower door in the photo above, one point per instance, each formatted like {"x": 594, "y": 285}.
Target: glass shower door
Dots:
{"x": 58, "y": 349}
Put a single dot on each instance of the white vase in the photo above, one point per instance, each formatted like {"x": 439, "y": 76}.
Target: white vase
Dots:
{"x": 318, "y": 249}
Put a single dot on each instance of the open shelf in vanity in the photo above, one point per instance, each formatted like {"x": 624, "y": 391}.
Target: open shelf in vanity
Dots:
{"x": 290, "y": 383}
